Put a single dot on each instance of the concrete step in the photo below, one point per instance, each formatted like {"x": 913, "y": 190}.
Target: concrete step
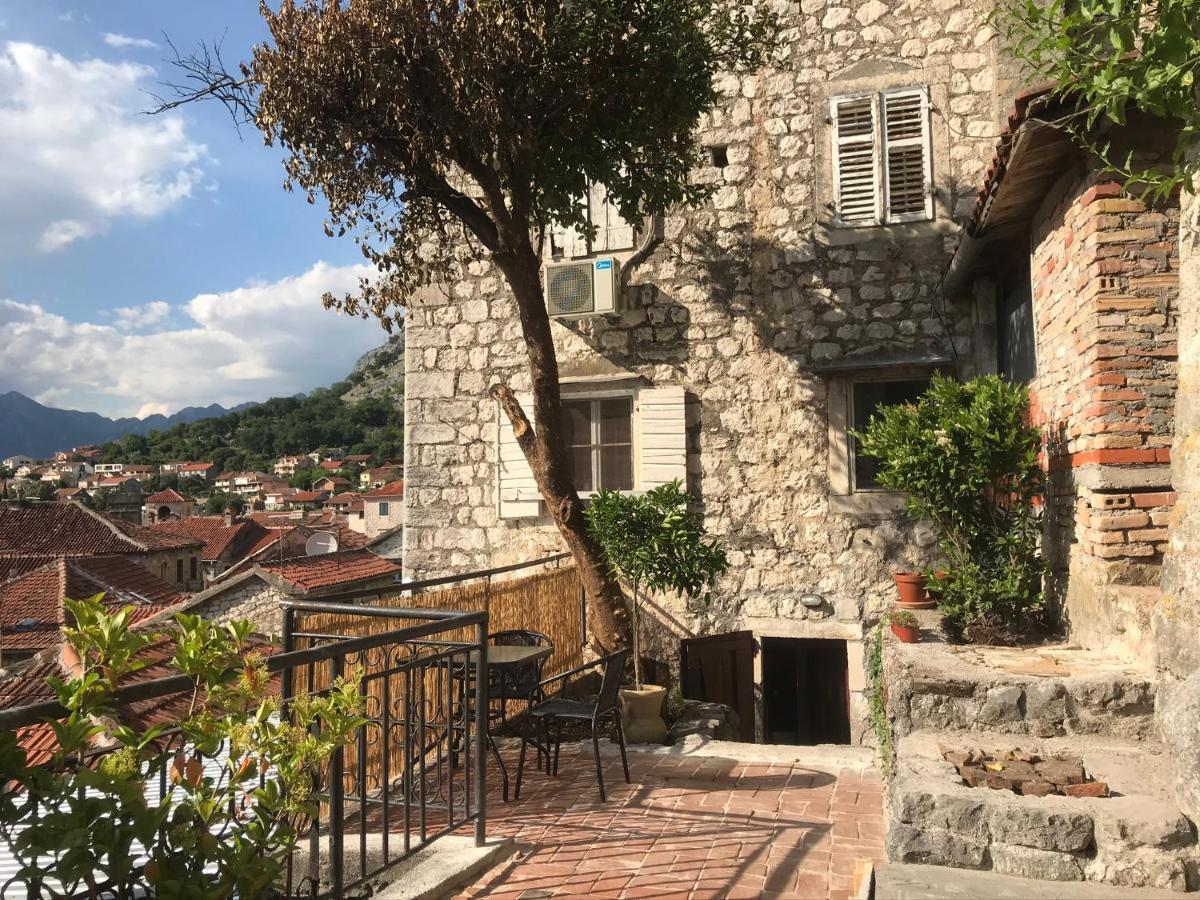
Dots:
{"x": 1041, "y": 691}
{"x": 1135, "y": 838}
{"x": 907, "y": 882}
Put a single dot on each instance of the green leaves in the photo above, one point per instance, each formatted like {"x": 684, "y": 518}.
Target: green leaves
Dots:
{"x": 652, "y": 541}
{"x": 239, "y": 776}
{"x": 967, "y": 457}
{"x": 1115, "y": 56}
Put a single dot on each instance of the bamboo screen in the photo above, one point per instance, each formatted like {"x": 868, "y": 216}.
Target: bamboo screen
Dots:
{"x": 547, "y": 602}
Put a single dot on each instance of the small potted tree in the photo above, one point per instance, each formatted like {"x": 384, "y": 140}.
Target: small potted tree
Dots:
{"x": 654, "y": 545}
{"x": 904, "y": 626}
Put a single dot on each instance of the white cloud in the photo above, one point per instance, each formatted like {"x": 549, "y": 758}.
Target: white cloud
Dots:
{"x": 76, "y": 152}
{"x": 255, "y": 342}
{"x": 124, "y": 40}
{"x": 128, "y": 318}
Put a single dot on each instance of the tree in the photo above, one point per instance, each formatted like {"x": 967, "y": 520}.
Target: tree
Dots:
{"x": 1115, "y": 56}
{"x": 442, "y": 130}
{"x": 652, "y": 542}
{"x": 219, "y": 501}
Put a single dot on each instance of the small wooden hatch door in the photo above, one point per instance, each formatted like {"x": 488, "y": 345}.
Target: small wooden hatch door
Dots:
{"x": 720, "y": 669}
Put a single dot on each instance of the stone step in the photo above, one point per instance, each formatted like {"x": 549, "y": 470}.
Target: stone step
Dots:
{"x": 1041, "y": 691}
{"x": 909, "y": 882}
{"x": 1135, "y": 838}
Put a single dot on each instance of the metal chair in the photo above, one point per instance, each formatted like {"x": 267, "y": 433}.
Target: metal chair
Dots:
{"x": 517, "y": 683}
{"x": 553, "y": 712}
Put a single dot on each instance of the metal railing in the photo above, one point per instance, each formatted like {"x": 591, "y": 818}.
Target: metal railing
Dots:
{"x": 416, "y": 770}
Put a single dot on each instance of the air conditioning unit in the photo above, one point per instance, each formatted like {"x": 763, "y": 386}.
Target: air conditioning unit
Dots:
{"x": 582, "y": 288}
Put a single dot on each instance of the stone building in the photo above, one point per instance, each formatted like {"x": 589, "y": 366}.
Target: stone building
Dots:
{"x": 753, "y": 331}
{"x": 827, "y": 274}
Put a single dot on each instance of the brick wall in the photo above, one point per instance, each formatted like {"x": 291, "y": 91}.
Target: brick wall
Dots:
{"x": 1105, "y": 285}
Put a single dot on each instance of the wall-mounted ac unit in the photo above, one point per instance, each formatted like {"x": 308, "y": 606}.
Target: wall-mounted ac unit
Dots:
{"x": 582, "y": 288}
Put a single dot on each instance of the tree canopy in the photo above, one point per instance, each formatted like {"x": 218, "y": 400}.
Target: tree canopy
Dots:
{"x": 1115, "y": 56}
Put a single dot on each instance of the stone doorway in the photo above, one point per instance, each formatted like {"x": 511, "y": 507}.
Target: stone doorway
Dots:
{"x": 806, "y": 691}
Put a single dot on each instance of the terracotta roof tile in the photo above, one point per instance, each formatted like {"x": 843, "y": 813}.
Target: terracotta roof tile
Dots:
{"x": 62, "y": 529}
{"x": 332, "y": 569}
{"x": 217, "y": 536}
{"x": 168, "y": 496}
{"x": 391, "y": 489}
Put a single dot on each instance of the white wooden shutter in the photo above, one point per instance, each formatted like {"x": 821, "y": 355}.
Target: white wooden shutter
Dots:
{"x": 662, "y": 427}
{"x": 516, "y": 490}
{"x": 855, "y": 160}
{"x": 908, "y": 188}
{"x": 613, "y": 233}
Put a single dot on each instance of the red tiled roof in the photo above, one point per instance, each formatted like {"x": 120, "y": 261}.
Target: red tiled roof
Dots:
{"x": 358, "y": 457}
{"x": 307, "y": 496}
{"x": 195, "y": 467}
{"x": 342, "y": 498}
{"x": 332, "y": 569}
{"x": 31, "y": 609}
{"x": 66, "y": 529}
{"x": 391, "y": 489}
{"x": 330, "y": 465}
{"x": 67, "y": 493}
{"x": 155, "y": 540}
{"x": 217, "y": 536}
{"x": 168, "y": 496}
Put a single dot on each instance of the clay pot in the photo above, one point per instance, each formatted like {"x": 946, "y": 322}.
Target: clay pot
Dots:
{"x": 641, "y": 712}
{"x": 906, "y": 635}
{"x": 913, "y": 595}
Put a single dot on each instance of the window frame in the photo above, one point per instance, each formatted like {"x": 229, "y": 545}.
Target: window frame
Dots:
{"x": 595, "y": 398}
{"x": 879, "y": 153}
{"x": 844, "y": 498}
{"x": 851, "y": 418}
{"x": 385, "y": 509}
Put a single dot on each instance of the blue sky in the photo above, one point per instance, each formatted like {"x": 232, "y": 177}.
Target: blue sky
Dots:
{"x": 149, "y": 263}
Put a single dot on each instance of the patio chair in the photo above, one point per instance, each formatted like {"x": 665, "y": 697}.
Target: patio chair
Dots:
{"x": 521, "y": 683}
{"x": 550, "y": 715}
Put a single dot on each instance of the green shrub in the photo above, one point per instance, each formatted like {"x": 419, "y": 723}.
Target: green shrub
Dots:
{"x": 219, "y": 835}
{"x": 967, "y": 457}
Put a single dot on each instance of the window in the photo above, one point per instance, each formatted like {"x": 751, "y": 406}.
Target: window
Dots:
{"x": 866, "y": 398}
{"x": 179, "y": 571}
{"x": 881, "y": 158}
{"x": 613, "y": 233}
{"x": 600, "y": 440}
{"x": 194, "y": 568}
{"x": 384, "y": 509}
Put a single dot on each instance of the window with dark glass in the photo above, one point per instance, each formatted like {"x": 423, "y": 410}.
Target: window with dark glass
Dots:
{"x": 600, "y": 442}
{"x": 179, "y": 571}
{"x": 866, "y": 399}
{"x": 194, "y": 568}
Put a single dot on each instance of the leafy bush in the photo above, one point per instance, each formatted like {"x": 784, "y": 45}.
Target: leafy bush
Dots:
{"x": 902, "y": 618}
{"x": 967, "y": 457}
{"x": 652, "y": 542}
{"x": 221, "y": 830}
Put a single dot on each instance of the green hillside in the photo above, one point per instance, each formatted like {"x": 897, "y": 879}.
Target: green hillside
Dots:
{"x": 355, "y": 414}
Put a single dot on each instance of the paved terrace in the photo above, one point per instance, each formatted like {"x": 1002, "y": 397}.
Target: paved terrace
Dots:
{"x": 792, "y": 822}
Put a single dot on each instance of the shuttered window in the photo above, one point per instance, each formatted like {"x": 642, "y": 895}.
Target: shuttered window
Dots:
{"x": 613, "y": 232}
{"x": 881, "y": 158}
{"x": 620, "y": 441}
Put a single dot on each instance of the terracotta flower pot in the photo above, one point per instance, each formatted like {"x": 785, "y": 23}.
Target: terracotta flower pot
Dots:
{"x": 913, "y": 595}
{"x": 642, "y": 714}
{"x": 906, "y": 635}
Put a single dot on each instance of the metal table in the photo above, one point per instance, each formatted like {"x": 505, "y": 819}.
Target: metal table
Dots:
{"x": 501, "y": 657}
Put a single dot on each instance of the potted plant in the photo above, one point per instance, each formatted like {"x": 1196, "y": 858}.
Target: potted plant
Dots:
{"x": 911, "y": 587}
{"x": 904, "y": 626}
{"x": 654, "y": 545}
{"x": 967, "y": 457}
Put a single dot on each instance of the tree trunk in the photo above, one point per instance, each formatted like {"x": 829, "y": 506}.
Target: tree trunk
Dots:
{"x": 545, "y": 449}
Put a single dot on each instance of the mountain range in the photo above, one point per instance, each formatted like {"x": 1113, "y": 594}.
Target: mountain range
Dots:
{"x": 27, "y": 426}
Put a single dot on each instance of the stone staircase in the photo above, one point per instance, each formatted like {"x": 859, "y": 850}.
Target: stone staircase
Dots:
{"x": 1049, "y": 701}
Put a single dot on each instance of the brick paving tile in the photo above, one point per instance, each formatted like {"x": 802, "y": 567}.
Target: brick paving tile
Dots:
{"x": 686, "y": 828}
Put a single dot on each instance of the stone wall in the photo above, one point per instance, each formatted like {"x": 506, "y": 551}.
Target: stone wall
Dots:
{"x": 745, "y": 302}
{"x": 253, "y": 600}
{"x": 1177, "y": 620}
{"x": 1105, "y": 285}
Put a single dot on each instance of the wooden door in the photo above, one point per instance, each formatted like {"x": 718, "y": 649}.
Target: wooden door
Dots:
{"x": 720, "y": 669}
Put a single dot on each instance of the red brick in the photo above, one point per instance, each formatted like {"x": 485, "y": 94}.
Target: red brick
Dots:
{"x": 1155, "y": 498}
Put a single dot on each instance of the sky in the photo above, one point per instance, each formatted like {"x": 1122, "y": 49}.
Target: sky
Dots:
{"x": 149, "y": 263}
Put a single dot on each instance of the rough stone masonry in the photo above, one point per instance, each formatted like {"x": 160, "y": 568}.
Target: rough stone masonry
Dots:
{"x": 761, "y": 309}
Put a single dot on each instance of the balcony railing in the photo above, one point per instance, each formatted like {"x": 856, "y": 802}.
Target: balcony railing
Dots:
{"x": 416, "y": 770}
